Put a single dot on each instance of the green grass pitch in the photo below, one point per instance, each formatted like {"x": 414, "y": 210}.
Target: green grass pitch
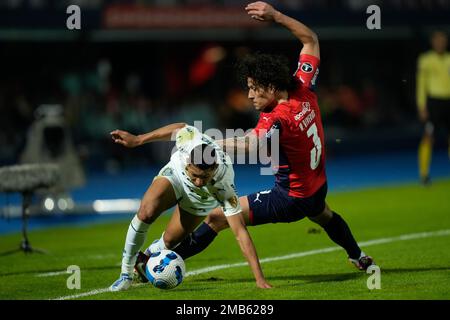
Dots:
{"x": 411, "y": 268}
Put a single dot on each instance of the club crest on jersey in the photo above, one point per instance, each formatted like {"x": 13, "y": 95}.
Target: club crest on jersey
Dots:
{"x": 167, "y": 172}
{"x": 306, "y": 67}
{"x": 233, "y": 201}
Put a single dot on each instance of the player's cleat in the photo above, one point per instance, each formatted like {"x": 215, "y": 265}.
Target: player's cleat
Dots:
{"x": 122, "y": 284}
{"x": 363, "y": 262}
{"x": 139, "y": 267}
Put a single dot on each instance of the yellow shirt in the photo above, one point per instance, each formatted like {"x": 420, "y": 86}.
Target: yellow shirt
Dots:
{"x": 433, "y": 77}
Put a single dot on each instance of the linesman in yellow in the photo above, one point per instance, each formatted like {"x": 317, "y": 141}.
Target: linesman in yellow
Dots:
{"x": 433, "y": 98}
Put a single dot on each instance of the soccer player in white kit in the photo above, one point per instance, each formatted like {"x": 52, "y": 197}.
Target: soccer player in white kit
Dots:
{"x": 198, "y": 178}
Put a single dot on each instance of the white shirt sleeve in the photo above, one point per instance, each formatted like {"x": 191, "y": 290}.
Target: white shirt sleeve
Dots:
{"x": 229, "y": 199}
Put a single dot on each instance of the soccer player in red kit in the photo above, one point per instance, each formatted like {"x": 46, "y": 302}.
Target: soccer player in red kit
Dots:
{"x": 289, "y": 105}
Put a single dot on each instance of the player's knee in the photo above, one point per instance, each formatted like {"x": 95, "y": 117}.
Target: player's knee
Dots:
{"x": 148, "y": 212}
{"x": 324, "y": 217}
{"x": 170, "y": 241}
{"x": 216, "y": 220}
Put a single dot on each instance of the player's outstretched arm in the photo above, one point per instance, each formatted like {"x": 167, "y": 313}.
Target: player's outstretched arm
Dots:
{"x": 265, "y": 12}
{"x": 237, "y": 224}
{"x": 162, "y": 134}
{"x": 241, "y": 145}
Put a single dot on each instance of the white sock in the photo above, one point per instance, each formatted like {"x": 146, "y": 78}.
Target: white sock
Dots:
{"x": 156, "y": 246}
{"x": 137, "y": 231}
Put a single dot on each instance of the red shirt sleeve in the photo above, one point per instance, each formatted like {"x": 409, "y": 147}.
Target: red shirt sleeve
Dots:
{"x": 308, "y": 70}
{"x": 267, "y": 122}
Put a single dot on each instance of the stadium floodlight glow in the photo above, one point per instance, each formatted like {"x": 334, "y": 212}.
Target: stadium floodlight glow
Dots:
{"x": 117, "y": 205}
{"x": 62, "y": 204}
{"x": 49, "y": 204}
{"x": 70, "y": 204}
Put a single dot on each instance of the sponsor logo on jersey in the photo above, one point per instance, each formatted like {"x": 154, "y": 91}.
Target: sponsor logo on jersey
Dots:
{"x": 260, "y": 193}
{"x": 306, "y": 67}
{"x": 233, "y": 201}
{"x": 306, "y": 108}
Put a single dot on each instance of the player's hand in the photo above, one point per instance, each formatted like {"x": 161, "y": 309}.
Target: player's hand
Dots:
{"x": 263, "y": 284}
{"x": 423, "y": 114}
{"x": 261, "y": 11}
{"x": 125, "y": 138}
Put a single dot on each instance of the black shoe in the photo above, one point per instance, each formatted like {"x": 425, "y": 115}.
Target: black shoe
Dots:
{"x": 363, "y": 262}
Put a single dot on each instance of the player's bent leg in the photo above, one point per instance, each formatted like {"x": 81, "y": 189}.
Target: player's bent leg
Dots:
{"x": 323, "y": 218}
{"x": 180, "y": 225}
{"x": 205, "y": 234}
{"x": 159, "y": 197}
{"x": 197, "y": 241}
{"x": 338, "y": 231}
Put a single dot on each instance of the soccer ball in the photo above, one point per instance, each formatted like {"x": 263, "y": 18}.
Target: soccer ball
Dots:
{"x": 165, "y": 269}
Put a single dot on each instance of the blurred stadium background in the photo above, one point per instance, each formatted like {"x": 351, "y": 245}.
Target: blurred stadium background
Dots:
{"x": 140, "y": 64}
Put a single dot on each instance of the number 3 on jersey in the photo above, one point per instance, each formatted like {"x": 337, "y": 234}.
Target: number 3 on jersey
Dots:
{"x": 316, "y": 152}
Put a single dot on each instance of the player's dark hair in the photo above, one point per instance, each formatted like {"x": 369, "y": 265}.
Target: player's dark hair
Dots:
{"x": 267, "y": 71}
{"x": 203, "y": 157}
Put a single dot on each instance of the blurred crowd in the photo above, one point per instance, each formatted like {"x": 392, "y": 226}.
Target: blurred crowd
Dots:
{"x": 137, "y": 88}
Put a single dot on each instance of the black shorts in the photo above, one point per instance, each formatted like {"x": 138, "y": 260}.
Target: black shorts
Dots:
{"x": 275, "y": 205}
{"x": 439, "y": 113}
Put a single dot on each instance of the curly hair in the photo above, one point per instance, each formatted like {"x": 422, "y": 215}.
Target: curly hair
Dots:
{"x": 266, "y": 70}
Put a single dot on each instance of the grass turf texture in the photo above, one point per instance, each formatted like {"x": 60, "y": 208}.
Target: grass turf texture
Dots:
{"x": 412, "y": 269}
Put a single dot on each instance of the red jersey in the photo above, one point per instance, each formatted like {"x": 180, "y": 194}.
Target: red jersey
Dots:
{"x": 301, "y": 168}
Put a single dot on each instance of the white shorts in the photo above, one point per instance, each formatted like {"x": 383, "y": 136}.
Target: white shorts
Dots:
{"x": 192, "y": 202}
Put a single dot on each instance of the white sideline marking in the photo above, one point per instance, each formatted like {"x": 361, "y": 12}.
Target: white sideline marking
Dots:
{"x": 411, "y": 236}
{"x": 51, "y": 274}
{"x": 86, "y": 294}
{"x": 58, "y": 273}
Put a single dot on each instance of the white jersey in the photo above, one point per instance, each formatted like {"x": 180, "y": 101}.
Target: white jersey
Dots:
{"x": 219, "y": 192}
